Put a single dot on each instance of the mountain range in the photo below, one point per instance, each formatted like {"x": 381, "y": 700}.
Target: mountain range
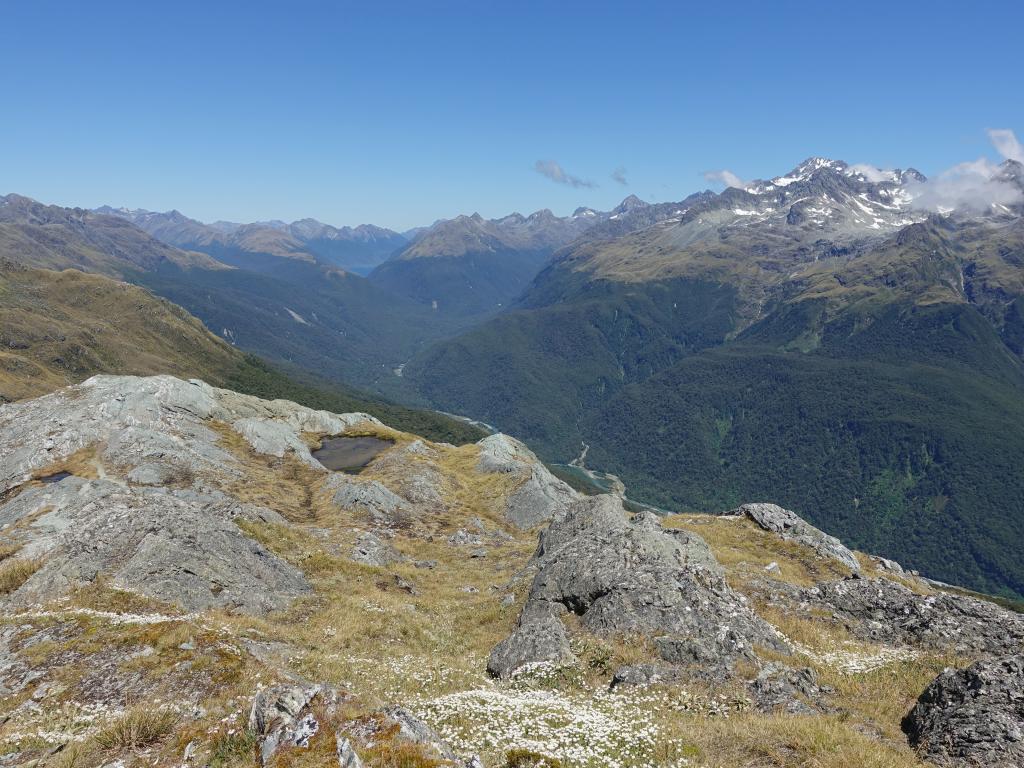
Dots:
{"x": 816, "y": 335}
{"x": 356, "y": 249}
{"x": 820, "y": 338}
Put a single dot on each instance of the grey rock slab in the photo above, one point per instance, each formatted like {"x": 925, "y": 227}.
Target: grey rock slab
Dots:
{"x": 158, "y": 419}
{"x": 791, "y": 527}
{"x": 884, "y": 611}
{"x": 632, "y": 576}
{"x": 540, "y": 496}
{"x": 646, "y": 674}
{"x": 972, "y": 716}
{"x": 370, "y": 549}
{"x": 370, "y": 497}
{"x": 279, "y": 716}
{"x": 535, "y": 640}
{"x": 152, "y": 542}
{"x": 346, "y": 753}
{"x": 795, "y": 691}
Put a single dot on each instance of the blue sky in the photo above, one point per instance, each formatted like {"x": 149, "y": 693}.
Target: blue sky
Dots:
{"x": 401, "y": 113}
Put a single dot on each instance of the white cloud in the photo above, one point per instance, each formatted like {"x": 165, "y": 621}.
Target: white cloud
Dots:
{"x": 975, "y": 185}
{"x": 1006, "y": 144}
{"x": 557, "y": 173}
{"x": 725, "y": 177}
{"x": 972, "y": 186}
{"x": 872, "y": 173}
{"x": 619, "y": 176}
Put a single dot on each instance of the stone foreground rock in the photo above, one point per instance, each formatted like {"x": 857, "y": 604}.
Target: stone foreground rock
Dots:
{"x": 623, "y": 576}
{"x": 972, "y": 716}
{"x": 541, "y": 496}
{"x": 883, "y": 611}
{"x": 151, "y": 512}
{"x": 791, "y": 527}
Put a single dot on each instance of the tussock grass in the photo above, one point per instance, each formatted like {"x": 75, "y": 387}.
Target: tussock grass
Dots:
{"x": 137, "y": 728}
{"x": 779, "y": 741}
{"x": 16, "y": 571}
{"x": 84, "y": 463}
{"x": 744, "y": 548}
{"x": 76, "y": 754}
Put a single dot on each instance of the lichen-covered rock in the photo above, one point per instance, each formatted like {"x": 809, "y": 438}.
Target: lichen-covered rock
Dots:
{"x": 646, "y": 674}
{"x": 972, "y": 716}
{"x": 398, "y": 724}
{"x": 791, "y": 527}
{"x": 884, "y": 611}
{"x": 159, "y": 518}
{"x": 370, "y": 549}
{"x": 795, "y": 691}
{"x": 157, "y": 419}
{"x": 535, "y": 640}
{"x": 178, "y": 551}
{"x": 383, "y": 506}
{"x": 346, "y": 753}
{"x": 280, "y": 716}
{"x": 540, "y": 497}
{"x": 623, "y": 576}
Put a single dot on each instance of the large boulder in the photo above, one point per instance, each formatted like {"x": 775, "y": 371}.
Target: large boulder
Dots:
{"x": 540, "y": 496}
{"x": 883, "y": 611}
{"x": 631, "y": 577}
{"x": 791, "y": 527}
{"x": 159, "y": 420}
{"x": 172, "y": 547}
{"x": 153, "y": 508}
{"x": 972, "y": 716}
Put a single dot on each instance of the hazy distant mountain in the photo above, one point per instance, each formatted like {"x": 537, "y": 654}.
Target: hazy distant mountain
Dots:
{"x": 816, "y": 336}
{"x": 469, "y": 265}
{"x": 260, "y": 244}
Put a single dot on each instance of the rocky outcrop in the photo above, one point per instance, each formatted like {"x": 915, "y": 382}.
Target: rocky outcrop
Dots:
{"x": 884, "y": 611}
{"x": 796, "y": 691}
{"x": 791, "y": 527}
{"x": 370, "y": 549}
{"x": 972, "y": 716}
{"x": 177, "y": 547}
{"x": 280, "y": 716}
{"x": 151, "y": 512}
{"x": 623, "y": 576}
{"x": 382, "y": 506}
{"x": 540, "y": 496}
{"x": 159, "y": 420}
{"x": 536, "y": 639}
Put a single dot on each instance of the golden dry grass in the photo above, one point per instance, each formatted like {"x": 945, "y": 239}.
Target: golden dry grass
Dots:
{"x": 744, "y": 549}
{"x": 16, "y": 571}
{"x": 754, "y": 740}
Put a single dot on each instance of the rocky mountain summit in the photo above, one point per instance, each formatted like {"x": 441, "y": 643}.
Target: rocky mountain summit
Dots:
{"x": 184, "y": 582}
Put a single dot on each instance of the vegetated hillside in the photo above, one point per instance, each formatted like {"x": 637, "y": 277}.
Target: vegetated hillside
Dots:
{"x": 809, "y": 355}
{"x": 179, "y": 574}
{"x": 915, "y": 458}
{"x": 334, "y": 324}
{"x": 58, "y": 328}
